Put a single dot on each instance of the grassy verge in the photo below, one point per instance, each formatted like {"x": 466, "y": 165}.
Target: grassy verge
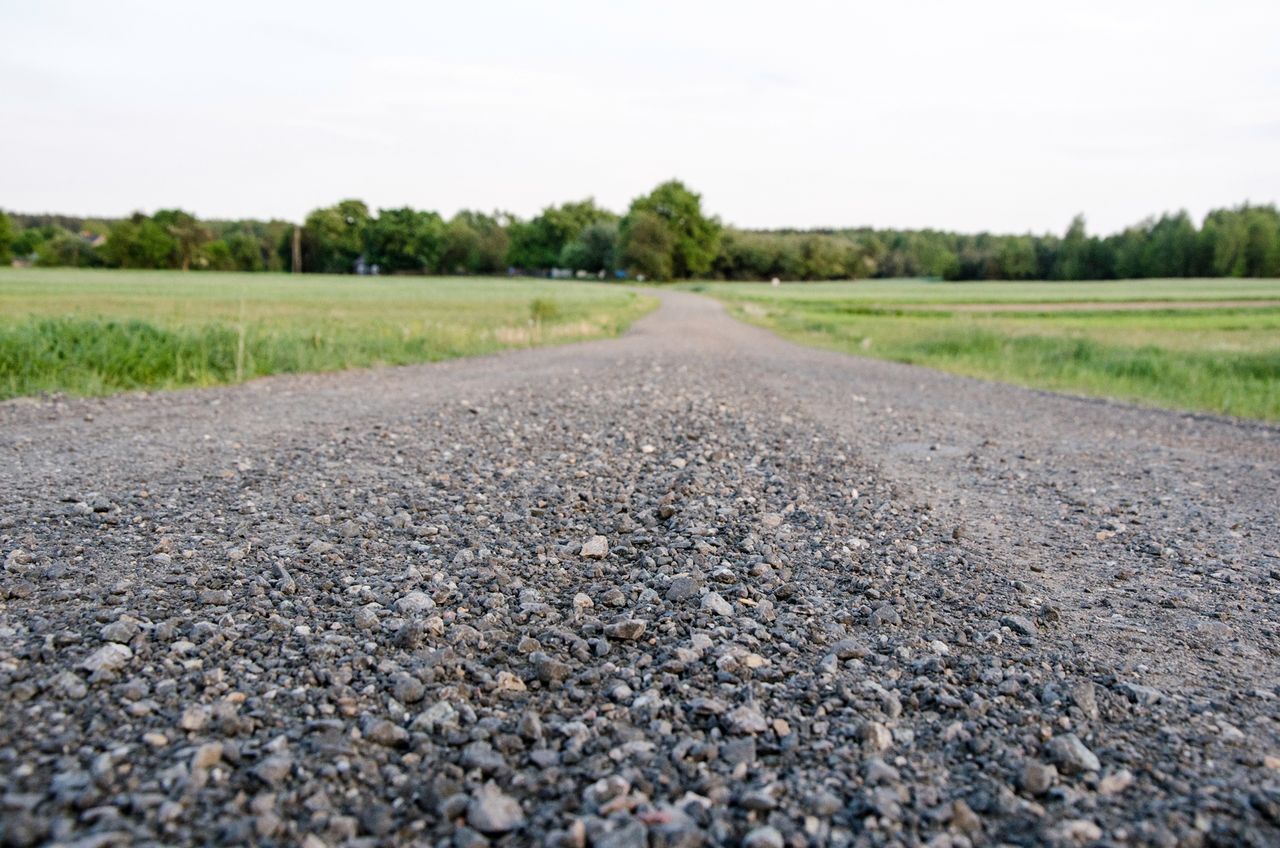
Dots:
{"x": 98, "y": 332}
{"x": 1221, "y": 359}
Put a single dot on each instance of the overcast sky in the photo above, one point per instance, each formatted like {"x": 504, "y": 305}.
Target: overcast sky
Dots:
{"x": 1003, "y": 116}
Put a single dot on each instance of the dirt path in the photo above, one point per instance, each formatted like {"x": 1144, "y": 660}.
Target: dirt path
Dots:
{"x": 835, "y": 601}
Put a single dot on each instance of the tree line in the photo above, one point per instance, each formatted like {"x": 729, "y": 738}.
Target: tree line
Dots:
{"x": 663, "y": 235}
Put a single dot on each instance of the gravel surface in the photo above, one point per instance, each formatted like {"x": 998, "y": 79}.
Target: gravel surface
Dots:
{"x": 695, "y": 586}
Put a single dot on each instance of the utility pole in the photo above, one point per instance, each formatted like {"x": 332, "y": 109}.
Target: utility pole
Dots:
{"x": 297, "y": 249}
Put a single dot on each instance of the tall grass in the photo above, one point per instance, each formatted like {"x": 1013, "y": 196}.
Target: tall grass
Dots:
{"x": 1221, "y": 360}
{"x": 97, "y": 333}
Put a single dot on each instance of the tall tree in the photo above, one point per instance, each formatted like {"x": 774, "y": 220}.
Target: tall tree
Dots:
{"x": 140, "y": 242}
{"x": 333, "y": 237}
{"x": 694, "y": 237}
{"x": 7, "y": 235}
{"x": 65, "y": 249}
{"x": 188, "y": 233}
{"x": 405, "y": 240}
{"x": 1262, "y": 242}
{"x": 475, "y": 243}
{"x": 594, "y": 250}
{"x": 648, "y": 245}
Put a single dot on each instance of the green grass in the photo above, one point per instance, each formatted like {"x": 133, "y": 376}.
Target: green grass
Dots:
{"x": 1213, "y": 357}
{"x": 98, "y": 332}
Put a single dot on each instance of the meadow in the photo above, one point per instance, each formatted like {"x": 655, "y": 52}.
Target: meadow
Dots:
{"x": 1197, "y": 345}
{"x": 97, "y": 332}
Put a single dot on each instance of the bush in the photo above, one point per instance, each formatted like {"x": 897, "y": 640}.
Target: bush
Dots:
{"x": 544, "y": 309}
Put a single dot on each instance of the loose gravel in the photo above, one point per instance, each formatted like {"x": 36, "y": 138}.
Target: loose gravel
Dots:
{"x": 695, "y": 586}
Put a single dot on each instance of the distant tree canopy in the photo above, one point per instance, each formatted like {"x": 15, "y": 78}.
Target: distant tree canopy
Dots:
{"x": 476, "y": 243}
{"x": 141, "y": 242}
{"x": 664, "y": 234}
{"x": 537, "y": 244}
{"x": 595, "y": 249}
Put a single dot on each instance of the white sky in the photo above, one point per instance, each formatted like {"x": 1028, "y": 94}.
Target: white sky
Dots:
{"x": 1007, "y": 116}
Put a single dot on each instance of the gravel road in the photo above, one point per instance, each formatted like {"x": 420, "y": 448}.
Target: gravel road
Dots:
{"x": 693, "y": 586}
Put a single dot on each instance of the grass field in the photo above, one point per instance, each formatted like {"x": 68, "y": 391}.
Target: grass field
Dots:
{"x": 97, "y": 332}
{"x": 1206, "y": 345}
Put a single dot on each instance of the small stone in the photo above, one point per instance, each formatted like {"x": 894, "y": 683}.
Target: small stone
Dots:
{"x": 508, "y": 683}
{"x": 824, "y": 803}
{"x": 724, "y": 575}
{"x": 708, "y": 706}
{"x": 1230, "y": 733}
{"x": 1072, "y": 754}
{"x": 68, "y": 684}
{"x": 632, "y": 834}
{"x": 121, "y": 631}
{"x": 597, "y": 547}
{"x": 215, "y": 597}
{"x": 415, "y": 603}
{"x": 366, "y": 618}
{"x": 763, "y": 837}
{"x": 194, "y": 718}
{"x": 1077, "y": 831}
{"x": 549, "y": 669}
{"x": 453, "y": 806}
{"x": 110, "y": 657}
{"x": 465, "y": 837}
{"x": 1085, "y": 696}
{"x": 207, "y": 756}
{"x": 713, "y": 602}
{"x": 1019, "y": 624}
{"x": 411, "y": 633}
{"x": 1144, "y": 695}
{"x": 439, "y": 715}
{"x": 406, "y": 688}
{"x": 876, "y": 737}
{"x": 886, "y": 616}
{"x": 490, "y": 810}
{"x": 746, "y": 719}
{"x": 628, "y": 629}
{"x": 605, "y": 790}
{"x": 878, "y": 771}
{"x": 1116, "y": 782}
{"x": 847, "y": 649}
{"x": 480, "y": 755}
{"x": 267, "y": 824}
{"x": 759, "y": 800}
{"x": 386, "y": 733}
{"x": 964, "y": 819}
{"x": 274, "y": 769}
{"x": 1038, "y": 778}
{"x": 682, "y": 588}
